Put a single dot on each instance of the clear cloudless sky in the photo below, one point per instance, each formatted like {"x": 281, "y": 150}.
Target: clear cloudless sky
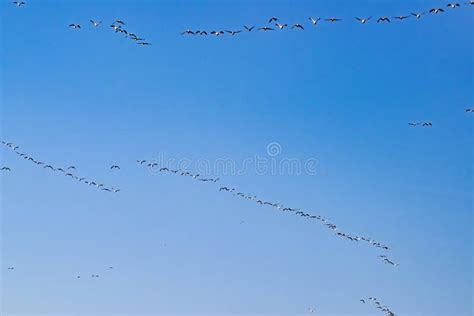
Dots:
{"x": 340, "y": 93}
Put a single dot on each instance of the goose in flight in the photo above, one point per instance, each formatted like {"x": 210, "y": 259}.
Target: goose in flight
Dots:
{"x": 217, "y": 33}
{"x": 401, "y": 17}
{"x": 470, "y": 110}
{"x": 298, "y": 26}
{"x": 71, "y": 168}
{"x": 119, "y": 22}
{"x": 383, "y": 19}
{"x": 314, "y": 21}
{"x": 363, "y": 20}
{"x": 95, "y": 23}
{"x": 94, "y": 276}
{"x": 141, "y": 161}
{"x": 414, "y": 124}
{"x": 19, "y": 3}
{"x": 436, "y": 10}
{"x": 115, "y": 167}
{"x": 281, "y": 26}
{"x": 417, "y": 15}
{"x": 273, "y": 19}
{"x": 332, "y": 20}
{"x": 11, "y": 268}
{"x": 453, "y": 5}
{"x": 362, "y": 300}
{"x": 201, "y": 32}
{"x": 144, "y": 44}
{"x": 187, "y": 32}
{"x": 428, "y": 124}
{"x": 74, "y": 26}
{"x": 233, "y": 32}
{"x": 5, "y": 169}
{"x": 249, "y": 28}
{"x": 49, "y": 167}
{"x": 265, "y": 28}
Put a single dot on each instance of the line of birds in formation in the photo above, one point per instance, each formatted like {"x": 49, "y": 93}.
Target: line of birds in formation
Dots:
{"x": 119, "y": 27}
{"x": 66, "y": 171}
{"x": 275, "y": 22}
{"x": 304, "y": 214}
{"x": 11, "y": 268}
{"x": 383, "y": 308}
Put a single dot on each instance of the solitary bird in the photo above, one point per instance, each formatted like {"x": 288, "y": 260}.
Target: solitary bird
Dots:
{"x": 363, "y": 20}
{"x": 297, "y": 26}
{"x": 115, "y": 167}
{"x": 436, "y": 10}
{"x": 314, "y": 21}
{"x": 74, "y": 26}
{"x": 249, "y": 28}
{"x": 5, "y": 169}
{"x": 383, "y": 19}
{"x": 95, "y": 23}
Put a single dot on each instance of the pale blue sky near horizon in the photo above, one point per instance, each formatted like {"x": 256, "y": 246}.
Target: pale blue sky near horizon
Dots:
{"x": 342, "y": 94}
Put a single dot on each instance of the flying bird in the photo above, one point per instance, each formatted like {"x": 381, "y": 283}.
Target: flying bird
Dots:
{"x": 332, "y": 20}
{"x": 187, "y": 32}
{"x": 74, "y": 26}
{"x": 249, "y": 29}
{"x": 363, "y": 20}
{"x": 401, "y": 17}
{"x": 265, "y": 28}
{"x": 470, "y": 110}
{"x": 297, "y": 26}
{"x": 272, "y": 20}
{"x": 119, "y": 22}
{"x": 144, "y": 44}
{"x": 217, "y": 33}
{"x": 115, "y": 167}
{"x": 436, "y": 10}
{"x": 281, "y": 26}
{"x": 314, "y": 21}
{"x": 453, "y": 5}
{"x": 417, "y": 15}
{"x": 233, "y": 32}
{"x": 414, "y": 124}
{"x": 428, "y": 124}
{"x": 19, "y": 3}
{"x": 383, "y": 19}
{"x": 95, "y": 23}
{"x": 5, "y": 169}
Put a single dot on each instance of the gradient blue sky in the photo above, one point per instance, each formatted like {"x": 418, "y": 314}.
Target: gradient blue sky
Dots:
{"x": 342, "y": 94}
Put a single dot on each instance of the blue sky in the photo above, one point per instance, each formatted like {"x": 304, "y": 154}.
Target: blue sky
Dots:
{"x": 342, "y": 94}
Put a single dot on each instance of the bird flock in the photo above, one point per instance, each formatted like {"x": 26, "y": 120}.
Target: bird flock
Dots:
{"x": 378, "y": 305}
{"x": 68, "y": 172}
{"x": 274, "y": 23}
{"x": 119, "y": 27}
